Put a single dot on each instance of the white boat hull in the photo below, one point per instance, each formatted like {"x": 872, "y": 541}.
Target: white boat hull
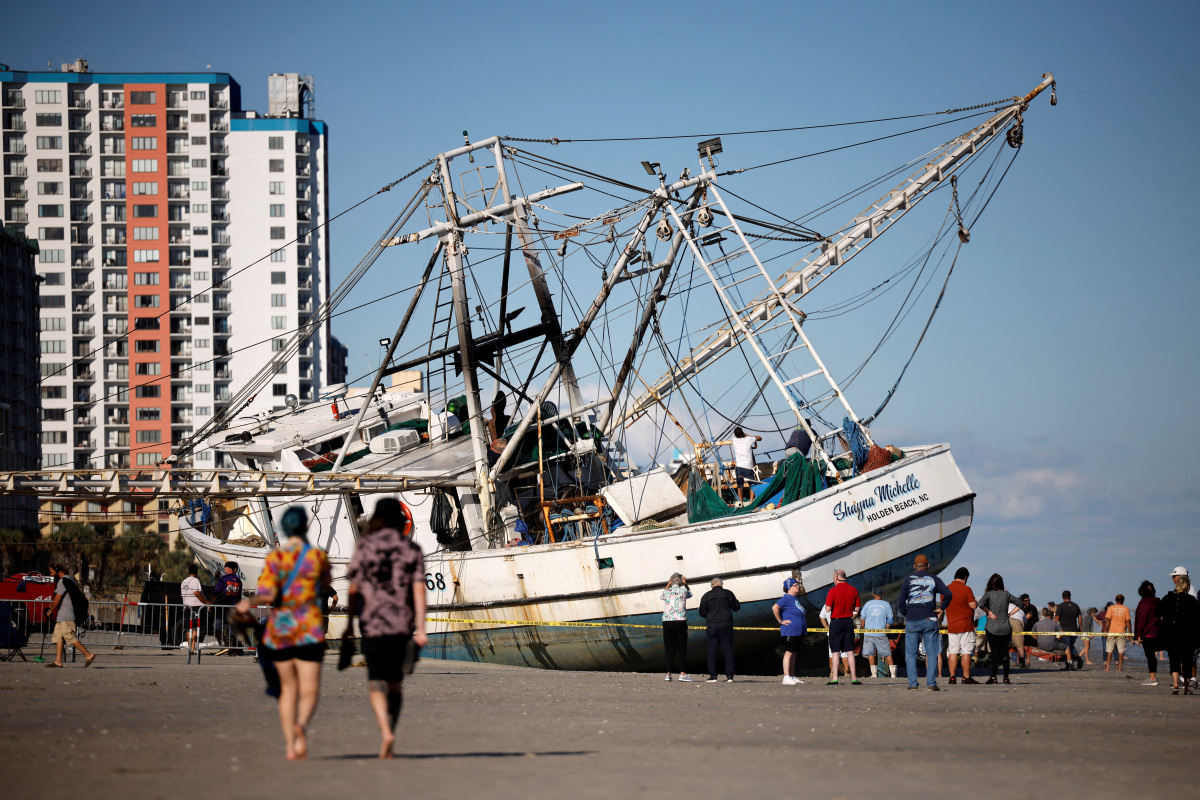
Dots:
{"x": 519, "y": 600}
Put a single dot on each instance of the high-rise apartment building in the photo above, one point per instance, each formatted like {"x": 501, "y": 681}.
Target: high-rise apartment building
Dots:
{"x": 180, "y": 247}
{"x": 19, "y": 422}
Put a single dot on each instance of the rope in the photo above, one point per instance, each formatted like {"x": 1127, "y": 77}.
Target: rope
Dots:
{"x": 557, "y": 141}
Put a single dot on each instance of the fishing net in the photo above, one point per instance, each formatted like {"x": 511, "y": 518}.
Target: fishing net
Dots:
{"x": 797, "y": 477}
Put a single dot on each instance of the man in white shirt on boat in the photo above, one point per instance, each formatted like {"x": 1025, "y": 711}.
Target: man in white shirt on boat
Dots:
{"x": 743, "y": 459}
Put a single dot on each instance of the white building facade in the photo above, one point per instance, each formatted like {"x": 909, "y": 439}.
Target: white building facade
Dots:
{"x": 179, "y": 245}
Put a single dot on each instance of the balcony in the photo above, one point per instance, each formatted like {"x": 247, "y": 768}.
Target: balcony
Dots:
{"x": 84, "y": 330}
{"x": 18, "y": 215}
{"x": 14, "y": 100}
{"x": 89, "y": 286}
{"x": 14, "y": 146}
{"x": 303, "y": 148}
{"x": 86, "y": 422}
{"x": 221, "y": 304}
{"x": 117, "y": 419}
{"x": 180, "y": 259}
{"x": 85, "y": 308}
{"x": 220, "y": 216}
{"x": 178, "y": 239}
{"x": 303, "y": 194}
{"x": 115, "y": 102}
{"x": 220, "y": 261}
{"x": 114, "y": 194}
{"x": 77, "y": 217}
{"x": 85, "y": 375}
{"x": 80, "y": 102}
{"x": 220, "y": 194}
{"x": 15, "y": 193}
{"x": 305, "y": 284}
{"x": 80, "y": 126}
{"x": 304, "y": 239}
{"x": 82, "y": 241}
{"x": 80, "y": 172}
{"x": 303, "y": 215}
{"x": 14, "y": 125}
{"x": 84, "y": 262}
{"x": 223, "y": 373}
{"x": 219, "y": 127}
{"x": 181, "y": 350}
{"x": 80, "y": 194}
{"x": 217, "y": 102}
{"x": 81, "y": 149}
{"x": 218, "y": 172}
{"x": 179, "y": 193}
{"x": 18, "y": 170}
{"x": 219, "y": 150}
{"x": 85, "y": 444}
{"x": 181, "y": 397}
{"x": 220, "y": 239}
{"x": 113, "y": 126}
{"x": 305, "y": 172}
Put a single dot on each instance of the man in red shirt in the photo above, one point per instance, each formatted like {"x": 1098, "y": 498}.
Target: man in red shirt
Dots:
{"x": 960, "y": 625}
{"x": 843, "y": 605}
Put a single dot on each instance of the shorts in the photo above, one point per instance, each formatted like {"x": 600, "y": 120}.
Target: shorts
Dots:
{"x": 791, "y": 644}
{"x": 876, "y": 646}
{"x": 1070, "y": 641}
{"x": 64, "y": 633}
{"x": 841, "y": 635}
{"x": 743, "y": 474}
{"x": 385, "y": 657}
{"x": 302, "y": 652}
{"x": 191, "y": 618}
{"x": 961, "y": 644}
{"x": 1018, "y": 633}
{"x": 1111, "y": 643}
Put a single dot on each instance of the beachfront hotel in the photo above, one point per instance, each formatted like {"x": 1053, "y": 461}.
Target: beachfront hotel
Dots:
{"x": 148, "y": 195}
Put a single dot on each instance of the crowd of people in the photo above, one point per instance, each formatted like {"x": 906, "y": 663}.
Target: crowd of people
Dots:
{"x": 949, "y": 628}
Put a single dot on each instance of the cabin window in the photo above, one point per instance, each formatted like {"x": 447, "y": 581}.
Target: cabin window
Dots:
{"x": 727, "y": 547}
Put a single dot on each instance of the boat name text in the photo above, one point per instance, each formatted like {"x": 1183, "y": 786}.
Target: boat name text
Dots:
{"x": 873, "y": 509}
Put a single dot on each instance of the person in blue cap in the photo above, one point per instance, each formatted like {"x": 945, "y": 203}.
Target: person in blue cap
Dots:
{"x": 793, "y": 625}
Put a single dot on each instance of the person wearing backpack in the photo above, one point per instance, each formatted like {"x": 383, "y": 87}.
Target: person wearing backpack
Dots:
{"x": 69, "y": 605}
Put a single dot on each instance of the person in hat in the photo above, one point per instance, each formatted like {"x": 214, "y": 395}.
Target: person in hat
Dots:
{"x": 294, "y": 640}
{"x": 226, "y": 592}
{"x": 793, "y": 625}
{"x": 1181, "y": 571}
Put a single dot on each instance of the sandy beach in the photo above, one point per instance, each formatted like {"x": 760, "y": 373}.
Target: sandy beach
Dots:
{"x": 146, "y": 724}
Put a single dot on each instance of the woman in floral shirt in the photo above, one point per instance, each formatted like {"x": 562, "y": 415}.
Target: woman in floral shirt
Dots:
{"x": 675, "y": 627}
{"x": 291, "y": 580}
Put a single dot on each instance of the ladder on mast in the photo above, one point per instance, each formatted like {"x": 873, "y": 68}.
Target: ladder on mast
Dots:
{"x": 769, "y": 311}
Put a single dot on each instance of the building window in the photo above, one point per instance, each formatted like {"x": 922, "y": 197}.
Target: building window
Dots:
{"x": 54, "y": 393}
{"x": 202, "y": 411}
{"x": 147, "y": 459}
{"x": 52, "y": 278}
{"x": 200, "y": 186}
{"x": 277, "y": 210}
{"x": 199, "y": 208}
{"x": 278, "y": 323}
{"x": 150, "y": 414}
{"x": 148, "y": 391}
{"x": 54, "y": 459}
{"x": 54, "y": 323}
{"x": 51, "y": 120}
{"x": 200, "y": 343}
{"x": 278, "y": 277}
{"x": 149, "y": 437}
{"x": 50, "y": 187}
{"x": 275, "y": 165}
{"x": 203, "y": 388}
{"x": 53, "y": 346}
{"x": 199, "y": 95}
{"x": 199, "y": 162}
{"x": 276, "y": 187}
{"x": 199, "y": 140}
{"x": 144, "y": 211}
{"x": 275, "y": 142}
{"x": 52, "y": 257}
{"x": 145, "y": 165}
{"x": 146, "y": 300}
{"x": 53, "y": 301}
{"x": 54, "y": 437}
{"x": 47, "y": 96}
{"x": 279, "y": 255}
{"x": 145, "y": 256}
{"x": 49, "y": 165}
{"x": 145, "y": 143}
{"x": 145, "y": 187}
{"x": 199, "y": 117}
{"x": 146, "y": 346}
{"x": 145, "y": 324}
{"x": 277, "y": 345}
{"x": 55, "y": 211}
{"x": 278, "y": 300}
{"x": 279, "y": 389}
{"x": 278, "y": 233}
{"x": 142, "y": 98}
{"x": 51, "y": 234}
{"x": 146, "y": 234}
{"x": 143, "y": 120}
{"x": 49, "y": 143}
{"x": 146, "y": 278}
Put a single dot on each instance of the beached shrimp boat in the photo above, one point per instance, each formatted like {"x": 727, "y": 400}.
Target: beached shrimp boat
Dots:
{"x": 545, "y": 544}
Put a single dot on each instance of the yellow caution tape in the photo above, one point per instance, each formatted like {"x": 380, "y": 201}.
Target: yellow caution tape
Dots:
{"x": 581, "y": 624}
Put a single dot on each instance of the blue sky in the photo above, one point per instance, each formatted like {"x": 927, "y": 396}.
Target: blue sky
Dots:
{"x": 1061, "y": 364}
